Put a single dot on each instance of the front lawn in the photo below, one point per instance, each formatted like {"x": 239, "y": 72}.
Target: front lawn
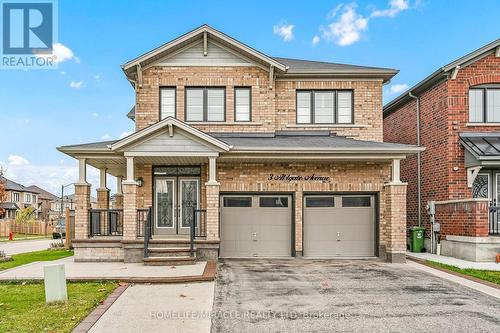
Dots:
{"x": 490, "y": 276}
{"x": 18, "y": 237}
{"x": 29, "y": 257}
{"x": 23, "y": 308}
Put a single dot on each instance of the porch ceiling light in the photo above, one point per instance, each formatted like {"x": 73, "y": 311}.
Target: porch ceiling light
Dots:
{"x": 140, "y": 181}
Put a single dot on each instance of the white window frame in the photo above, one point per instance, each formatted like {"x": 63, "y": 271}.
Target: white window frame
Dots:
{"x": 312, "y": 107}
{"x": 236, "y": 90}
{"x": 484, "y": 111}
{"x": 15, "y": 196}
{"x": 162, "y": 89}
{"x": 205, "y": 106}
{"x": 27, "y": 198}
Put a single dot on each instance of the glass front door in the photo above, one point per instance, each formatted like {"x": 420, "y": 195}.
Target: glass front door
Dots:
{"x": 175, "y": 201}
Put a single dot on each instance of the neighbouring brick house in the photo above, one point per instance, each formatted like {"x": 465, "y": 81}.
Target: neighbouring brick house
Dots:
{"x": 458, "y": 111}
{"x": 44, "y": 202}
{"x": 18, "y": 197}
{"x": 247, "y": 156}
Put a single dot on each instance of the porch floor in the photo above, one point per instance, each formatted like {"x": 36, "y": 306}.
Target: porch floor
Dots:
{"x": 489, "y": 266}
{"x": 107, "y": 271}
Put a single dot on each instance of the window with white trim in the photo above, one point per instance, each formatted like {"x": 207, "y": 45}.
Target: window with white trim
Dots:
{"x": 242, "y": 103}
{"x": 484, "y": 104}
{"x": 15, "y": 196}
{"x": 206, "y": 104}
{"x": 27, "y": 198}
{"x": 167, "y": 102}
{"x": 325, "y": 107}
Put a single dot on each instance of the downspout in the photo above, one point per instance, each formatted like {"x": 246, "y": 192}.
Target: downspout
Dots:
{"x": 419, "y": 176}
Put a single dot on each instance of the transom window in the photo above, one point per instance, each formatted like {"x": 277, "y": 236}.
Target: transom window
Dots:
{"x": 205, "y": 104}
{"x": 242, "y": 103}
{"x": 324, "y": 106}
{"x": 484, "y": 104}
{"x": 167, "y": 102}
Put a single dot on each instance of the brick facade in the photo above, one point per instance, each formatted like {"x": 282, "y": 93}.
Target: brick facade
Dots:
{"x": 82, "y": 206}
{"x": 466, "y": 218}
{"x": 444, "y": 114}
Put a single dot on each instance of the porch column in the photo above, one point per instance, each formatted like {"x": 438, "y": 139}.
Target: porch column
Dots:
{"x": 129, "y": 187}
{"x": 82, "y": 201}
{"x": 395, "y": 222}
{"x": 212, "y": 198}
{"x": 396, "y": 171}
{"x": 119, "y": 193}
{"x": 103, "y": 191}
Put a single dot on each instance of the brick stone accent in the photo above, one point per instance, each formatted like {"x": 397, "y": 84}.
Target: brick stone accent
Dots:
{"x": 465, "y": 218}
{"x": 118, "y": 201}
{"x": 272, "y": 109}
{"x": 395, "y": 221}
{"x": 103, "y": 198}
{"x": 212, "y": 206}
{"x": 444, "y": 112}
{"x": 129, "y": 211}
{"x": 82, "y": 206}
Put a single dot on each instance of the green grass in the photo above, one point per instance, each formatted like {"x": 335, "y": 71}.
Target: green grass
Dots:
{"x": 20, "y": 237}
{"x": 23, "y": 308}
{"x": 490, "y": 276}
{"x": 29, "y": 257}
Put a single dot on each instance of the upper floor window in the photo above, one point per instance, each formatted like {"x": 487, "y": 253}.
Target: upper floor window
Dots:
{"x": 242, "y": 103}
{"x": 27, "y": 198}
{"x": 205, "y": 104}
{"x": 167, "y": 102}
{"x": 15, "y": 196}
{"x": 484, "y": 104}
{"x": 324, "y": 107}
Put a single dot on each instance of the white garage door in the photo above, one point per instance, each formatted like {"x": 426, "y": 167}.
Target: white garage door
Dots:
{"x": 256, "y": 226}
{"x": 339, "y": 226}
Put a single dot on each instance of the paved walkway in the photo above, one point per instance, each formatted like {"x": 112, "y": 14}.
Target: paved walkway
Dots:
{"x": 160, "y": 308}
{"x": 106, "y": 270}
{"x": 490, "y": 266}
{"x": 15, "y": 247}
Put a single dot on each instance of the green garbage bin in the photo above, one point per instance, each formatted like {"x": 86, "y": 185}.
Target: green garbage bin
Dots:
{"x": 417, "y": 239}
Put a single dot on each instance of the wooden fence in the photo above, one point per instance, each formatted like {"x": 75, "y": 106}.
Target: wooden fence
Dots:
{"x": 30, "y": 228}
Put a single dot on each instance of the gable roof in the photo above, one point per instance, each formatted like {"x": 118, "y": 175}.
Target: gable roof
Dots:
{"x": 193, "y": 35}
{"x": 166, "y": 123}
{"x": 42, "y": 194}
{"x": 442, "y": 74}
{"x": 13, "y": 186}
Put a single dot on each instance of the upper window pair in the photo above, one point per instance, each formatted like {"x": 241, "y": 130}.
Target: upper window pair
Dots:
{"x": 325, "y": 107}
{"x": 207, "y": 103}
{"x": 484, "y": 104}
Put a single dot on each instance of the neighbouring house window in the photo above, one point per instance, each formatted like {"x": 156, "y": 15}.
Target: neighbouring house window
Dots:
{"x": 205, "y": 104}
{"x": 167, "y": 103}
{"x": 27, "y": 198}
{"x": 15, "y": 196}
{"x": 242, "y": 104}
{"x": 324, "y": 106}
{"x": 484, "y": 104}
{"x": 481, "y": 186}
{"x": 34, "y": 198}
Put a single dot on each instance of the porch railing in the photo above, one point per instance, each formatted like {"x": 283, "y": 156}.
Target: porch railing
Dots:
{"x": 142, "y": 216}
{"x": 198, "y": 227}
{"x": 494, "y": 221}
{"x": 148, "y": 228}
{"x": 105, "y": 222}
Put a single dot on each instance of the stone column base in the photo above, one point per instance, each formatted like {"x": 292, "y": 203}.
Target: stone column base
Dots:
{"x": 395, "y": 258}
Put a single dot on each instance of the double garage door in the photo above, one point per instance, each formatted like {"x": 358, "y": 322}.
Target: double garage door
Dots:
{"x": 333, "y": 226}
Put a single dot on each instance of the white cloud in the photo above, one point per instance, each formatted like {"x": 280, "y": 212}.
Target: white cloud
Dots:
{"x": 76, "y": 84}
{"x": 347, "y": 29}
{"x": 315, "y": 40}
{"x": 106, "y": 137}
{"x": 398, "y": 88}
{"x": 17, "y": 160}
{"x": 60, "y": 54}
{"x": 395, "y": 6}
{"x": 126, "y": 133}
{"x": 94, "y": 114}
{"x": 97, "y": 77}
{"x": 62, "y": 73}
{"x": 285, "y": 31}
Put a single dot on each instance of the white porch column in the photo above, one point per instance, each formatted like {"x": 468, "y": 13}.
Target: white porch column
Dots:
{"x": 130, "y": 170}
{"x": 82, "y": 201}
{"x": 396, "y": 171}
{"x": 212, "y": 171}
{"x": 82, "y": 171}
{"x": 130, "y": 202}
{"x": 119, "y": 189}
{"x": 119, "y": 194}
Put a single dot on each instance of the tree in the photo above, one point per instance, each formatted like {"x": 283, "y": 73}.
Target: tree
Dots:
{"x": 3, "y": 192}
{"x": 25, "y": 214}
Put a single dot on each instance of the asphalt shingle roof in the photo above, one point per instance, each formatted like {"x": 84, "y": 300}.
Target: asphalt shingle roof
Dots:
{"x": 296, "y": 66}
{"x": 13, "y": 186}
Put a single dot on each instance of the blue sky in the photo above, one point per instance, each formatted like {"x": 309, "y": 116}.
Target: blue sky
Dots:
{"x": 87, "y": 97}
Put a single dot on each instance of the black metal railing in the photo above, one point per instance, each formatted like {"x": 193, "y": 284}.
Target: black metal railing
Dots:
{"x": 105, "y": 222}
{"x": 494, "y": 221}
{"x": 198, "y": 227}
{"x": 148, "y": 228}
{"x": 142, "y": 216}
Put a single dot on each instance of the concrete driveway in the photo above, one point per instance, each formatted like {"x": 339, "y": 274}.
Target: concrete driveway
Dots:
{"x": 344, "y": 296}
{"x": 15, "y": 247}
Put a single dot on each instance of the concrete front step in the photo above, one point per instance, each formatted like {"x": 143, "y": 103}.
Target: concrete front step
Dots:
{"x": 169, "y": 261}
{"x": 169, "y": 252}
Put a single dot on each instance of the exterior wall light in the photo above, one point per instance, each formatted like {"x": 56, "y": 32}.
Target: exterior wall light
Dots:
{"x": 140, "y": 181}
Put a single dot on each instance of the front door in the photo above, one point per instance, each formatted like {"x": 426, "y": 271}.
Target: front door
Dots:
{"x": 175, "y": 200}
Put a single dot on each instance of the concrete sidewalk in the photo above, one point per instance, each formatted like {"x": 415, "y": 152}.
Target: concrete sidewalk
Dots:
{"x": 104, "y": 270}
{"x": 15, "y": 247}
{"x": 160, "y": 308}
{"x": 489, "y": 266}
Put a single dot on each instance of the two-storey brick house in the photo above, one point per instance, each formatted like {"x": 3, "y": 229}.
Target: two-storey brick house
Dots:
{"x": 18, "y": 197}
{"x": 263, "y": 156}
{"x": 455, "y": 114}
